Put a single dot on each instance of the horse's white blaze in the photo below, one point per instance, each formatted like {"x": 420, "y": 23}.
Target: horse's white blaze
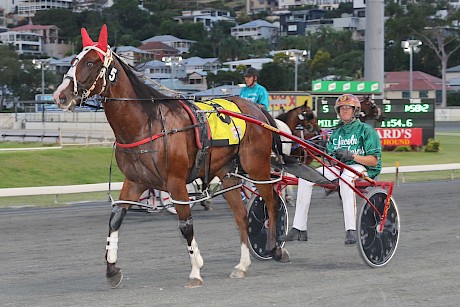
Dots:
{"x": 60, "y": 88}
{"x": 245, "y": 260}
{"x": 112, "y": 247}
{"x": 196, "y": 260}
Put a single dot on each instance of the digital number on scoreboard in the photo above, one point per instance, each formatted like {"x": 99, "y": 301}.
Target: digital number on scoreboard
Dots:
{"x": 405, "y": 122}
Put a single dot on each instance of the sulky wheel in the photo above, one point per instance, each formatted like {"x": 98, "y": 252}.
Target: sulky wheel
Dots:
{"x": 258, "y": 226}
{"x": 378, "y": 245}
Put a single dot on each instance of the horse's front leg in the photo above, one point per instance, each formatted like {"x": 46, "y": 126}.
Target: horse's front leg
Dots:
{"x": 235, "y": 202}
{"x": 186, "y": 227}
{"x": 130, "y": 191}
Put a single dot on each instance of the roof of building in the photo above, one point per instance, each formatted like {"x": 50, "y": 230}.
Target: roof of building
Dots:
{"x": 157, "y": 46}
{"x": 63, "y": 62}
{"x": 31, "y": 27}
{"x": 153, "y": 64}
{"x": 400, "y": 80}
{"x": 454, "y": 69}
{"x": 257, "y": 23}
{"x": 120, "y": 49}
{"x": 193, "y": 61}
{"x": 165, "y": 38}
{"x": 223, "y": 90}
{"x": 249, "y": 61}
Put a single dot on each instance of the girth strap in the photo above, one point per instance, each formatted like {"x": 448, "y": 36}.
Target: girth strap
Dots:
{"x": 202, "y": 137}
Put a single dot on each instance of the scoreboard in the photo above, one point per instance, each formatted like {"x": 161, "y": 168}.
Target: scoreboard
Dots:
{"x": 407, "y": 122}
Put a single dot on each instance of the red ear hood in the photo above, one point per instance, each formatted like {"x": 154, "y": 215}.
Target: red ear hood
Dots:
{"x": 101, "y": 43}
{"x": 103, "y": 37}
{"x": 85, "y": 39}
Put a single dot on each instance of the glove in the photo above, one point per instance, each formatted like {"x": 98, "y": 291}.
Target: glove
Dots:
{"x": 343, "y": 155}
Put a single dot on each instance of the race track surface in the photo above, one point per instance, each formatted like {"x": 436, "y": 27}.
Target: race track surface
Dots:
{"x": 55, "y": 257}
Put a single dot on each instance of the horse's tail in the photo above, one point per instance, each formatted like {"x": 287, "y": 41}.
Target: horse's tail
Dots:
{"x": 277, "y": 145}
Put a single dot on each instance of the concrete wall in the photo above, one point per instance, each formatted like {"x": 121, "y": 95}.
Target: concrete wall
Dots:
{"x": 96, "y": 120}
{"x": 447, "y": 114}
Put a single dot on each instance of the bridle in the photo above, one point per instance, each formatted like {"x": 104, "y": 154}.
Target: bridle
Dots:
{"x": 372, "y": 106}
{"x": 304, "y": 115}
{"x": 107, "y": 58}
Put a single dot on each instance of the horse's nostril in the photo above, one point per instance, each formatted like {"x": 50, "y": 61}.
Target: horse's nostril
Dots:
{"x": 62, "y": 97}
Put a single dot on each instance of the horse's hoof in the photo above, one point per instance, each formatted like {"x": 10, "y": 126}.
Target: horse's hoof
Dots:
{"x": 206, "y": 205}
{"x": 238, "y": 274}
{"x": 115, "y": 280}
{"x": 194, "y": 283}
{"x": 282, "y": 255}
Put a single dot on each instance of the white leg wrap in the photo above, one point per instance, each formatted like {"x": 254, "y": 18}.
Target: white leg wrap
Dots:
{"x": 112, "y": 247}
{"x": 245, "y": 260}
{"x": 196, "y": 260}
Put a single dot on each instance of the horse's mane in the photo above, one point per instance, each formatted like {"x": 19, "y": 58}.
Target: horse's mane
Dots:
{"x": 146, "y": 92}
{"x": 284, "y": 116}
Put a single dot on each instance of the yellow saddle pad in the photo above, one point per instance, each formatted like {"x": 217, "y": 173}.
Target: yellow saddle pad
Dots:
{"x": 225, "y": 130}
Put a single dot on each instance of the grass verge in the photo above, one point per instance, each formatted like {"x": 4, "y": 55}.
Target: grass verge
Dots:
{"x": 86, "y": 165}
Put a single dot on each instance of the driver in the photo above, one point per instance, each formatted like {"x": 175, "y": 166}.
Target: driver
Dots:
{"x": 357, "y": 145}
{"x": 253, "y": 91}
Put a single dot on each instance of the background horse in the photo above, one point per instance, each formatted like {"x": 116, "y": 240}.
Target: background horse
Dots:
{"x": 303, "y": 123}
{"x": 157, "y": 148}
{"x": 370, "y": 111}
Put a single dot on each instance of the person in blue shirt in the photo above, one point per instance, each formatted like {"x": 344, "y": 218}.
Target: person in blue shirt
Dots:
{"x": 253, "y": 91}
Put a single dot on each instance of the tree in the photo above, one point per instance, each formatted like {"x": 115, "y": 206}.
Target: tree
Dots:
{"x": 433, "y": 23}
{"x": 349, "y": 65}
{"x": 230, "y": 48}
{"x": 9, "y": 72}
{"x": 224, "y": 78}
{"x": 443, "y": 39}
{"x": 320, "y": 65}
{"x": 275, "y": 76}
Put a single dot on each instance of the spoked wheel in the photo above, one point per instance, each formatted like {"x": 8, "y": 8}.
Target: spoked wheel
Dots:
{"x": 258, "y": 226}
{"x": 378, "y": 245}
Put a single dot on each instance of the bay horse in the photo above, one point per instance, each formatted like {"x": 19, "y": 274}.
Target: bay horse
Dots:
{"x": 304, "y": 124}
{"x": 156, "y": 147}
{"x": 370, "y": 111}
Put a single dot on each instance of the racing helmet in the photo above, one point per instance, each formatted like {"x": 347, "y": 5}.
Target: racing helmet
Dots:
{"x": 348, "y": 100}
{"x": 251, "y": 72}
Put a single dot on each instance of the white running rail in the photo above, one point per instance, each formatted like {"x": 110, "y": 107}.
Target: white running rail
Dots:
{"x": 115, "y": 186}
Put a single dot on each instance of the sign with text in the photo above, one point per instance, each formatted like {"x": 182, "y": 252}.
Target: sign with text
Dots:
{"x": 400, "y": 137}
{"x": 287, "y": 101}
{"x": 398, "y": 115}
{"x": 343, "y": 87}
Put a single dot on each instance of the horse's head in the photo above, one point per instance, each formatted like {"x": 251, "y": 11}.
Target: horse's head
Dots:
{"x": 88, "y": 73}
{"x": 307, "y": 118}
{"x": 369, "y": 111}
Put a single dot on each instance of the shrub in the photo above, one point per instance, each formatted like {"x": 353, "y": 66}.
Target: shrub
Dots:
{"x": 453, "y": 99}
{"x": 432, "y": 146}
{"x": 402, "y": 148}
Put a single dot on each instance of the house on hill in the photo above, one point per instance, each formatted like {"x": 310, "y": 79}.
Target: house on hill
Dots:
{"x": 159, "y": 50}
{"x": 453, "y": 77}
{"x": 183, "y": 45}
{"x": 51, "y": 44}
{"x": 256, "y": 29}
{"x": 397, "y": 85}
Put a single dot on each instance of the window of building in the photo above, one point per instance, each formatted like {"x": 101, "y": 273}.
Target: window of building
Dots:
{"x": 423, "y": 94}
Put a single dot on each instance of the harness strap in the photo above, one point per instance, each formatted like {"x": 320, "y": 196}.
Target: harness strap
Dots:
{"x": 202, "y": 138}
{"x": 153, "y": 137}
{"x": 138, "y": 143}
{"x": 193, "y": 118}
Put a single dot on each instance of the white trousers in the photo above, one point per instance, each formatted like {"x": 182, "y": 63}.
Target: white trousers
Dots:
{"x": 304, "y": 193}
